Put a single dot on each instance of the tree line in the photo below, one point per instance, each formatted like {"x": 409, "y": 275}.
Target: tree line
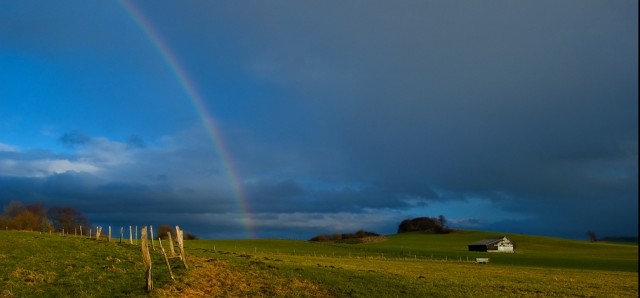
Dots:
{"x": 36, "y": 217}
{"x": 433, "y": 225}
{"x": 164, "y": 229}
{"x": 344, "y": 236}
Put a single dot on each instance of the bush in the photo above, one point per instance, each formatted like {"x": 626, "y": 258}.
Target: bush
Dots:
{"x": 344, "y": 237}
{"x": 424, "y": 224}
{"x": 164, "y": 229}
{"x": 189, "y": 236}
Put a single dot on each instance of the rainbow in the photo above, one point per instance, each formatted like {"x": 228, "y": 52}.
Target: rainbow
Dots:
{"x": 194, "y": 96}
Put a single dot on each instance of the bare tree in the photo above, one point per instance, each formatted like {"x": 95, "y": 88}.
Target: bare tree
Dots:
{"x": 13, "y": 208}
{"x": 592, "y": 236}
{"x": 442, "y": 221}
{"x": 67, "y": 218}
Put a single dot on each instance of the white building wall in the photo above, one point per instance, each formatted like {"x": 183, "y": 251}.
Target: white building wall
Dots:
{"x": 505, "y": 248}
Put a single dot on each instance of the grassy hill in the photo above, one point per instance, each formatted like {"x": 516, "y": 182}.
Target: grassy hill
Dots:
{"x": 403, "y": 265}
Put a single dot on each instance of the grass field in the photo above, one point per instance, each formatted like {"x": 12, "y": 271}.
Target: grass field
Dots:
{"x": 404, "y": 265}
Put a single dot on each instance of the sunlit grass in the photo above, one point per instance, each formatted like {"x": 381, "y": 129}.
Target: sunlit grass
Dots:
{"x": 35, "y": 264}
{"x": 411, "y": 265}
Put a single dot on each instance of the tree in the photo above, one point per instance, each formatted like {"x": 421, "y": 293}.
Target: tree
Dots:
{"x": 67, "y": 218}
{"x": 189, "y": 236}
{"x": 13, "y": 208}
{"x": 163, "y": 230}
{"x": 424, "y": 224}
{"x": 18, "y": 216}
{"x": 442, "y": 221}
{"x": 360, "y": 234}
{"x": 5, "y": 221}
{"x": 25, "y": 221}
{"x": 40, "y": 212}
{"x": 592, "y": 236}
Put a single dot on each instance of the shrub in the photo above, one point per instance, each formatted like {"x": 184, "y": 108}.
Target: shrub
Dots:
{"x": 344, "y": 237}
{"x": 424, "y": 224}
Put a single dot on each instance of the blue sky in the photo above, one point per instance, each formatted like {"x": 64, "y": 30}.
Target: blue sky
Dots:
{"x": 335, "y": 116}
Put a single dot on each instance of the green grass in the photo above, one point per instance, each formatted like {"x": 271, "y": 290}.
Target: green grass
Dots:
{"x": 423, "y": 265}
{"x": 35, "y": 264}
{"x": 405, "y": 265}
{"x": 531, "y": 251}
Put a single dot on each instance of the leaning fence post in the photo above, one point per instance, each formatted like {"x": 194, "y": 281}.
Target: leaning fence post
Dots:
{"x": 146, "y": 257}
{"x": 166, "y": 259}
{"x": 173, "y": 251}
{"x": 180, "y": 235}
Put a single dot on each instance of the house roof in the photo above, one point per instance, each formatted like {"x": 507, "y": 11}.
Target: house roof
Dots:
{"x": 488, "y": 241}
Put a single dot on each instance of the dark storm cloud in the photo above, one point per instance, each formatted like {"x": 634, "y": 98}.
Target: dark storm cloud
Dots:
{"x": 135, "y": 141}
{"x": 352, "y": 114}
{"x": 74, "y": 138}
{"x": 269, "y": 196}
{"x": 524, "y": 105}
{"x": 93, "y": 194}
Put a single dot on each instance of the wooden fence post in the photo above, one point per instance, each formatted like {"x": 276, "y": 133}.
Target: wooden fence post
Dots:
{"x": 121, "y": 233}
{"x": 173, "y": 251}
{"x": 180, "y": 235}
{"x": 166, "y": 259}
{"x": 109, "y": 233}
{"x": 146, "y": 257}
{"x": 80, "y": 231}
{"x": 153, "y": 245}
{"x": 136, "y": 234}
{"x": 130, "y": 235}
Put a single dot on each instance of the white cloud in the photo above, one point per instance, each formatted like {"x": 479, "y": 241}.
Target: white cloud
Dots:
{"x": 8, "y": 148}
{"x": 43, "y": 167}
{"x": 104, "y": 152}
{"x": 61, "y": 166}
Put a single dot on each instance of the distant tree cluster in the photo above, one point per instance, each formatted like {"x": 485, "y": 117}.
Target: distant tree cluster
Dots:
{"x": 342, "y": 237}
{"x": 36, "y": 217}
{"x": 425, "y": 224}
{"x": 163, "y": 231}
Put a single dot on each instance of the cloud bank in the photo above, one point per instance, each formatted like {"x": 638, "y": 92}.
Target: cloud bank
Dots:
{"x": 518, "y": 117}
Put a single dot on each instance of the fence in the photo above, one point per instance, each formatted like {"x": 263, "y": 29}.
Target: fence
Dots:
{"x": 345, "y": 253}
{"x": 143, "y": 239}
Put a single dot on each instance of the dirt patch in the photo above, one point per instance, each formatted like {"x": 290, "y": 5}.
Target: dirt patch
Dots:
{"x": 217, "y": 278}
{"x": 32, "y": 277}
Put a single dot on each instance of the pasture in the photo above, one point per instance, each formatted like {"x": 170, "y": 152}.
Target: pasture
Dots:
{"x": 404, "y": 265}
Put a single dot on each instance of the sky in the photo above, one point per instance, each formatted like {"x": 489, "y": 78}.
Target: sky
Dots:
{"x": 288, "y": 119}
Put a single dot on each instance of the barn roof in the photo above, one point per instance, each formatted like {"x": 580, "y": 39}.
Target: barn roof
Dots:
{"x": 488, "y": 241}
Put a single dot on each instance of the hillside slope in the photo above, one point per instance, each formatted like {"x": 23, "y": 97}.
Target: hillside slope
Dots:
{"x": 405, "y": 265}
